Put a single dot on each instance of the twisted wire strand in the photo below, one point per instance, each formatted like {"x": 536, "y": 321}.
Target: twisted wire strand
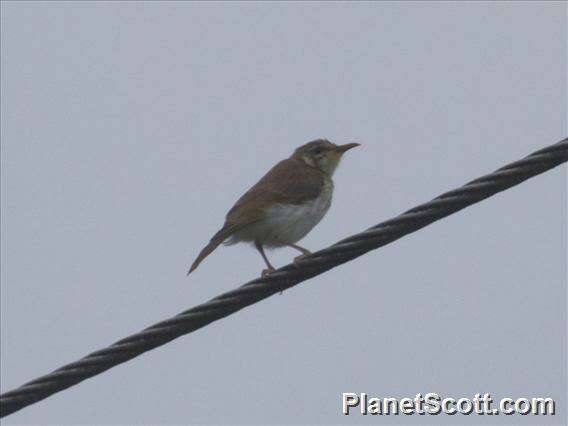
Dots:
{"x": 284, "y": 278}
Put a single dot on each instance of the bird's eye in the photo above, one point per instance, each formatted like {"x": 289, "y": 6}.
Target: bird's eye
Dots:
{"x": 318, "y": 151}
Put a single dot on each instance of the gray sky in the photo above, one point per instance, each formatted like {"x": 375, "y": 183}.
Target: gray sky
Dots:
{"x": 128, "y": 130}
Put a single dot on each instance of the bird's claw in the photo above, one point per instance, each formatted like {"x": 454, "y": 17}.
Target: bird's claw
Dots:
{"x": 267, "y": 272}
{"x": 297, "y": 259}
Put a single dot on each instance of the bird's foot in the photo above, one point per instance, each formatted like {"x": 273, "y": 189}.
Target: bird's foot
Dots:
{"x": 300, "y": 257}
{"x": 267, "y": 271}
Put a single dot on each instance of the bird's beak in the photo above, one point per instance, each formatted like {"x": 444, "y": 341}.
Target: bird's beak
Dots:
{"x": 342, "y": 148}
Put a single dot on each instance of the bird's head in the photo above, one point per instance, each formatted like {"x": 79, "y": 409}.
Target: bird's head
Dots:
{"x": 322, "y": 154}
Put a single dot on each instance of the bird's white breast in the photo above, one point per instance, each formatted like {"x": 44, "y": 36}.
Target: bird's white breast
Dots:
{"x": 289, "y": 223}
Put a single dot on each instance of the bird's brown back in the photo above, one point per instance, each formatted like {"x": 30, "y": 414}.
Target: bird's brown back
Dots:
{"x": 291, "y": 181}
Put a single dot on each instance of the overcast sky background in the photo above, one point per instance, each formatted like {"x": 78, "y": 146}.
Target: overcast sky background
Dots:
{"x": 128, "y": 130}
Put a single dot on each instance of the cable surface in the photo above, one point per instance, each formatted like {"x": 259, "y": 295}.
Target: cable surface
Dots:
{"x": 284, "y": 278}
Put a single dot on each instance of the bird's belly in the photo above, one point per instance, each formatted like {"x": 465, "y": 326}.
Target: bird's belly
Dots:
{"x": 288, "y": 223}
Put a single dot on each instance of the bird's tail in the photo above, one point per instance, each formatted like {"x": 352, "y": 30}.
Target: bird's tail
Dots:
{"x": 217, "y": 239}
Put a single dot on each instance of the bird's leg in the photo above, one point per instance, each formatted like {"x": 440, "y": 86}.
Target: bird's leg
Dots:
{"x": 260, "y": 249}
{"x": 305, "y": 252}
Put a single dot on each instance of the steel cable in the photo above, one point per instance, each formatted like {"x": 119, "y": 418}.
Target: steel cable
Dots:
{"x": 284, "y": 278}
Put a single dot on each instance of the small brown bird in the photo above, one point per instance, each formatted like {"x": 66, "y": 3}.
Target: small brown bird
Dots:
{"x": 285, "y": 204}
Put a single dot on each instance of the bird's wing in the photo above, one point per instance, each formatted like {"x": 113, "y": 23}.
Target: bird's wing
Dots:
{"x": 289, "y": 182}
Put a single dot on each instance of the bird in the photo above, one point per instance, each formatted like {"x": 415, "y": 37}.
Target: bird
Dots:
{"x": 284, "y": 205}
